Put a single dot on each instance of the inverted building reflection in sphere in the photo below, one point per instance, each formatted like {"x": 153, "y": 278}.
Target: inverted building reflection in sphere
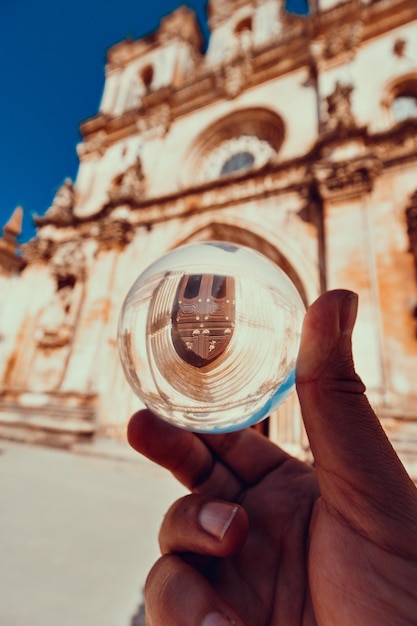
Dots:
{"x": 209, "y": 335}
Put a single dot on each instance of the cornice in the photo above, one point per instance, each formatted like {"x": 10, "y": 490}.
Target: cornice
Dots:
{"x": 317, "y": 172}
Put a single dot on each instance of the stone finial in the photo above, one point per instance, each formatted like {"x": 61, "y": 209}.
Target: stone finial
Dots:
{"x": 182, "y": 24}
{"x": 13, "y": 227}
{"x": 11, "y": 261}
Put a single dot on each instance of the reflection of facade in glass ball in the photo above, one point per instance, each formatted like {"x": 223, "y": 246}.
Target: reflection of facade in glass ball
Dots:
{"x": 208, "y": 336}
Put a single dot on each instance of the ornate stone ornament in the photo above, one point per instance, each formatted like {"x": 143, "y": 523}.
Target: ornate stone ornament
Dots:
{"x": 94, "y": 147}
{"x": 233, "y": 77}
{"x": 129, "y": 186}
{"x": 339, "y": 116}
{"x": 54, "y": 327}
{"x": 215, "y": 166}
{"x": 69, "y": 263}
{"x": 11, "y": 261}
{"x": 61, "y": 210}
{"x": 348, "y": 178}
{"x": 156, "y": 121}
{"x": 56, "y": 323}
{"x": 343, "y": 39}
{"x": 114, "y": 233}
{"x": 38, "y": 249}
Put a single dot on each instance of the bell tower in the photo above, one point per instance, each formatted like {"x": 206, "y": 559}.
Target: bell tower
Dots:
{"x": 240, "y": 25}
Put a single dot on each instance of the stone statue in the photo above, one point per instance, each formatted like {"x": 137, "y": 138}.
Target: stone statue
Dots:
{"x": 339, "y": 109}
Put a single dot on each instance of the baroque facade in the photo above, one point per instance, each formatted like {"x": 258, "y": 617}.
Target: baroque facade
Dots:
{"x": 296, "y": 136}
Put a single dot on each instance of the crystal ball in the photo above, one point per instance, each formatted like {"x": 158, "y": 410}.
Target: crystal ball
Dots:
{"x": 209, "y": 335}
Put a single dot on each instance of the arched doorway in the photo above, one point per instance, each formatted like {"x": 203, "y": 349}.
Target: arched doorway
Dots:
{"x": 284, "y": 426}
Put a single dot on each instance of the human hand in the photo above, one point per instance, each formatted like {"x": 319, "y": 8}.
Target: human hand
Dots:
{"x": 264, "y": 539}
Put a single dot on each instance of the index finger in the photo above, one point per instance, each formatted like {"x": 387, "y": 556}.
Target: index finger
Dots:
{"x": 216, "y": 465}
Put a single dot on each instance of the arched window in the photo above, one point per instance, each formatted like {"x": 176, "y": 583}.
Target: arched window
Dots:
{"x": 404, "y": 100}
{"x": 243, "y": 33}
{"x": 404, "y": 106}
{"x": 147, "y": 77}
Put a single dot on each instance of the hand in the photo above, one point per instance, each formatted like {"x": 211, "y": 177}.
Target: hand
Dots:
{"x": 264, "y": 539}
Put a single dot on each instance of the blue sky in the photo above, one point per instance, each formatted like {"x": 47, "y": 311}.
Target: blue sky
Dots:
{"x": 52, "y": 57}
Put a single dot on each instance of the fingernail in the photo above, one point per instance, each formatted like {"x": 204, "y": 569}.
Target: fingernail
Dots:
{"x": 348, "y": 313}
{"x": 216, "y": 517}
{"x": 216, "y": 619}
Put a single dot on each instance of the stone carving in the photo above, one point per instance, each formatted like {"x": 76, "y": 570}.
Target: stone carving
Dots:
{"x": 60, "y": 211}
{"x": 56, "y": 323}
{"x": 260, "y": 150}
{"x": 339, "y": 110}
{"x": 114, "y": 234}
{"x": 55, "y": 328}
{"x": 38, "y": 249}
{"x": 156, "y": 120}
{"x": 233, "y": 77}
{"x": 348, "y": 178}
{"x": 129, "y": 186}
{"x": 343, "y": 39}
{"x": 68, "y": 263}
{"x": 11, "y": 261}
{"x": 94, "y": 147}
{"x": 411, "y": 217}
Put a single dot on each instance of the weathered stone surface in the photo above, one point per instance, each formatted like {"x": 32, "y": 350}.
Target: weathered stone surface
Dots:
{"x": 296, "y": 137}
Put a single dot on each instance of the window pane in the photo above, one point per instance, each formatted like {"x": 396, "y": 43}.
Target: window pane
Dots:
{"x": 404, "y": 107}
{"x": 193, "y": 287}
{"x": 238, "y": 161}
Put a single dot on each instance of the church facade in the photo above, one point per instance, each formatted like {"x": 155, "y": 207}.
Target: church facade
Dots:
{"x": 295, "y": 136}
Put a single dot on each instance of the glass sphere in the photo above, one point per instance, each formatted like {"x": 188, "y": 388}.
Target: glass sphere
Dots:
{"x": 209, "y": 335}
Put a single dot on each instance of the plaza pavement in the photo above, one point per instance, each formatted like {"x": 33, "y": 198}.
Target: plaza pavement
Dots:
{"x": 78, "y": 533}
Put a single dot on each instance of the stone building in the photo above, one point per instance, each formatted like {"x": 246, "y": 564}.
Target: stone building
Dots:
{"x": 296, "y": 136}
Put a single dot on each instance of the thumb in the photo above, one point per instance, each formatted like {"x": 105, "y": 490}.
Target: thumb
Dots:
{"x": 358, "y": 471}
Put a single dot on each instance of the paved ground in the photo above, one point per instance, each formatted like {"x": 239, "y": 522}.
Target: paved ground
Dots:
{"x": 78, "y": 534}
